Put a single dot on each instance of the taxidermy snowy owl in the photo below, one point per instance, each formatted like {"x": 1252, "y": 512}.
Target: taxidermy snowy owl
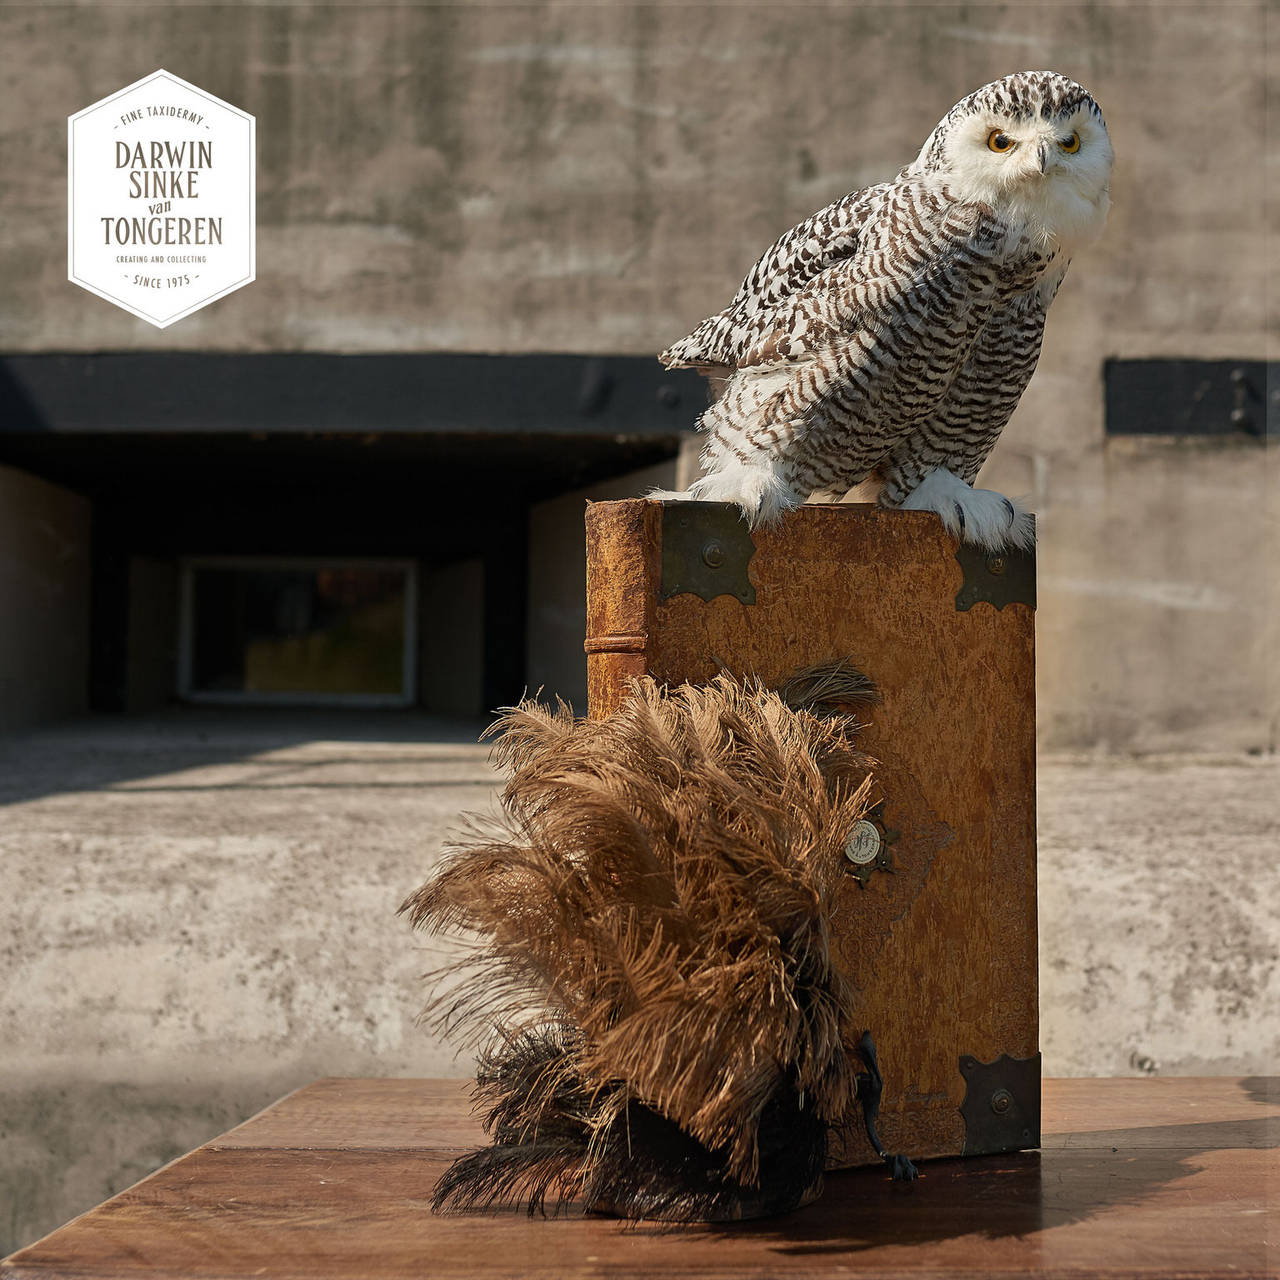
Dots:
{"x": 889, "y": 337}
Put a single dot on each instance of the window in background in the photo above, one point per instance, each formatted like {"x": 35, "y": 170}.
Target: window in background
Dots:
{"x": 300, "y": 631}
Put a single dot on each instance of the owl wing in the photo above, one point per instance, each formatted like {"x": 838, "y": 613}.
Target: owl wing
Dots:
{"x": 910, "y": 263}
{"x": 793, "y": 262}
{"x": 836, "y": 375}
{"x": 977, "y": 405}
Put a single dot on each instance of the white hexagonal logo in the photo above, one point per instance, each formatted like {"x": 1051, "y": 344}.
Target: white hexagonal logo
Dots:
{"x": 160, "y": 198}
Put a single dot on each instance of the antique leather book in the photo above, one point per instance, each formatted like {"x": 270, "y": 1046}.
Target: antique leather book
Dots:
{"x": 936, "y": 925}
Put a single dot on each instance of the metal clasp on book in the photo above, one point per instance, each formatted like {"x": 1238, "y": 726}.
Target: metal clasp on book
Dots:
{"x": 998, "y": 578}
{"x": 706, "y": 547}
{"x": 1001, "y": 1107}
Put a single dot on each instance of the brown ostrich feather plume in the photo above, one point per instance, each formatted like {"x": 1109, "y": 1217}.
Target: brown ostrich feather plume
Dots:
{"x": 652, "y": 967}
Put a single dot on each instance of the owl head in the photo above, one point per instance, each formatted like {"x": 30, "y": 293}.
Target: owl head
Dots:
{"x": 1033, "y": 146}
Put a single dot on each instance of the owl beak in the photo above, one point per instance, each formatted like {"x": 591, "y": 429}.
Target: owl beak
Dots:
{"x": 1044, "y": 156}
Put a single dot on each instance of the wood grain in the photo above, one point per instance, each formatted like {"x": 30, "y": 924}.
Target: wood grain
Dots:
{"x": 335, "y": 1181}
{"x": 943, "y": 952}
{"x": 367, "y": 1115}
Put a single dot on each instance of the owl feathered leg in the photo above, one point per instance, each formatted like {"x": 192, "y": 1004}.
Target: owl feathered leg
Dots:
{"x": 747, "y": 456}
{"x": 758, "y": 486}
{"x": 980, "y": 516}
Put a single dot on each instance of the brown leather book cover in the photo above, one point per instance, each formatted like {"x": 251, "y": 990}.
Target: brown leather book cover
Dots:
{"x": 937, "y": 925}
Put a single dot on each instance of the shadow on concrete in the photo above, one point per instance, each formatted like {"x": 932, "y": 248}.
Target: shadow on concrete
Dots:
{"x": 1265, "y": 1089}
{"x": 71, "y": 1144}
{"x": 117, "y": 753}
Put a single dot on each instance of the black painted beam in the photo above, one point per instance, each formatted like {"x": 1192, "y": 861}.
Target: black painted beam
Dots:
{"x": 193, "y": 393}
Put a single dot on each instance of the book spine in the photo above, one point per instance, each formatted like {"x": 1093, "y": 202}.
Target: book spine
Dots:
{"x": 622, "y": 558}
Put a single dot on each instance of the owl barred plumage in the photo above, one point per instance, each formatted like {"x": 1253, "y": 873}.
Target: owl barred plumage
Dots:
{"x": 890, "y": 336}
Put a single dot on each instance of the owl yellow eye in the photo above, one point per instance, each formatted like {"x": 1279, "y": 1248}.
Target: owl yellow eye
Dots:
{"x": 998, "y": 141}
{"x": 1071, "y": 144}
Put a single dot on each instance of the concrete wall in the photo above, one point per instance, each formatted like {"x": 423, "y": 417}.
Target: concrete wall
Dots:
{"x": 201, "y": 916}
{"x": 44, "y": 601}
{"x": 597, "y": 178}
{"x": 1159, "y": 624}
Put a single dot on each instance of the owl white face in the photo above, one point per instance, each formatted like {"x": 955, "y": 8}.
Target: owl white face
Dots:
{"x": 1033, "y": 146}
{"x": 1053, "y": 174}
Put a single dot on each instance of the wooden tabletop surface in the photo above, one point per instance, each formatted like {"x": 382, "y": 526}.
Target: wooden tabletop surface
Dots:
{"x": 1137, "y": 1177}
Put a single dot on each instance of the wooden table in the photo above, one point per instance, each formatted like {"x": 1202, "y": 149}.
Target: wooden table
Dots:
{"x": 1146, "y": 1177}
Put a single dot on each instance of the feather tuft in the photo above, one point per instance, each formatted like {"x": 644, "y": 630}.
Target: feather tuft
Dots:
{"x": 650, "y": 928}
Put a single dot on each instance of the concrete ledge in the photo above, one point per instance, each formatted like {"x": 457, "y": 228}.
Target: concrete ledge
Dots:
{"x": 204, "y": 917}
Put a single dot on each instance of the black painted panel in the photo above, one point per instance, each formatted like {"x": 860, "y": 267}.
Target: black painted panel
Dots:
{"x": 1191, "y": 397}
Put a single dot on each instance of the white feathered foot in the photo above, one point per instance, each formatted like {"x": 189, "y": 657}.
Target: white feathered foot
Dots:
{"x": 981, "y": 516}
{"x": 762, "y": 494}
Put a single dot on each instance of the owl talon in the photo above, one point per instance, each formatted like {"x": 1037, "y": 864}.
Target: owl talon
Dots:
{"x": 979, "y": 516}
